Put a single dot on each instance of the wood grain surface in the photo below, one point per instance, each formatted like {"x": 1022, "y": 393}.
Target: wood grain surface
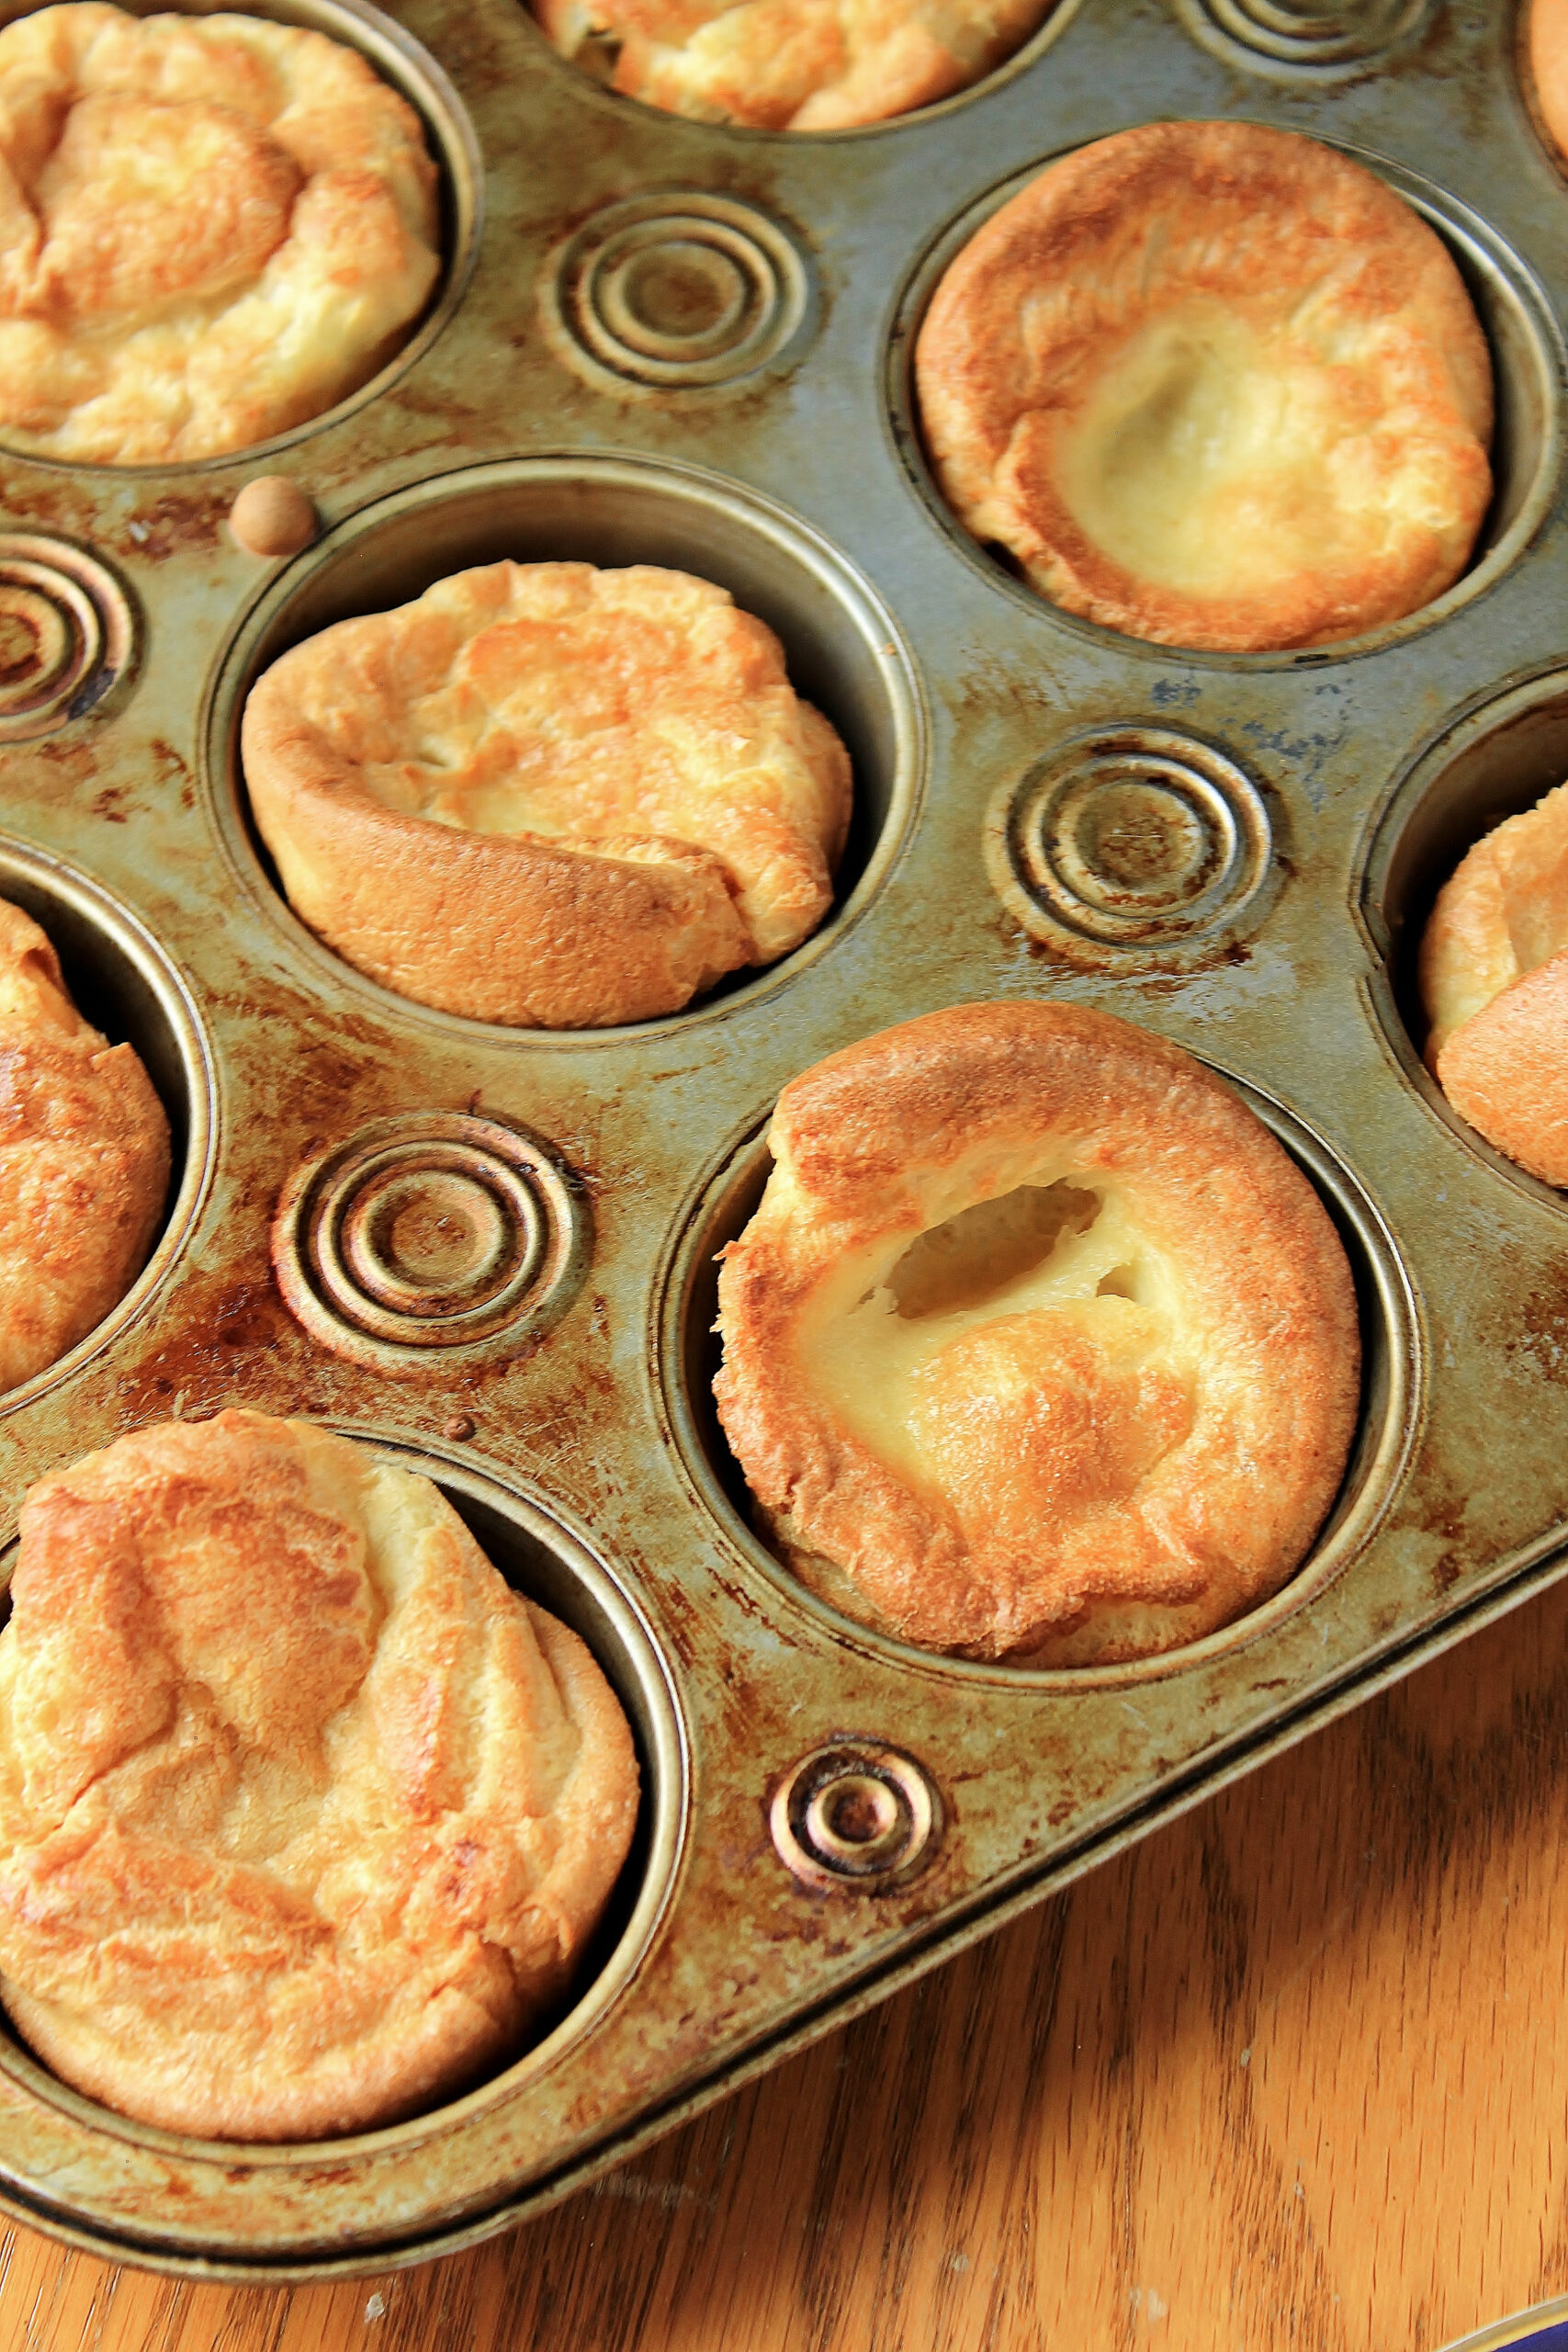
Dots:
{"x": 1293, "y": 2073}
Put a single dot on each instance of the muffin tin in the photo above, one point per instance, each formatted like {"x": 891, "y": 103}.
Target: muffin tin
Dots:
{"x": 491, "y": 1252}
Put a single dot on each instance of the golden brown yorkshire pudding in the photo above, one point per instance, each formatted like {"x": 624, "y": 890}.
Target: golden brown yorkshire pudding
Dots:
{"x": 548, "y": 794}
{"x": 1213, "y": 385}
{"x": 1039, "y": 1347}
{"x": 84, "y": 1160}
{"x": 211, "y": 227}
{"x": 1494, "y": 977}
{"x": 790, "y": 64}
{"x": 1547, "y": 42}
{"x": 304, "y": 1815}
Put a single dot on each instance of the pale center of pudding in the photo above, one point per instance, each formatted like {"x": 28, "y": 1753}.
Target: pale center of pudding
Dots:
{"x": 1202, "y": 458}
{"x": 1020, "y": 1356}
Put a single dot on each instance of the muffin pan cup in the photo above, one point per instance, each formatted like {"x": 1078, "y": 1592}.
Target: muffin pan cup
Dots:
{"x": 828, "y": 1813}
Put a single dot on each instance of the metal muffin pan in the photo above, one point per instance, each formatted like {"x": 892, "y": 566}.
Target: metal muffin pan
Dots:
{"x": 491, "y": 1250}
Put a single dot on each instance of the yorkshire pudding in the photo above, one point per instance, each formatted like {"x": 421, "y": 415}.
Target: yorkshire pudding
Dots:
{"x": 304, "y": 1815}
{"x": 1038, "y": 1347}
{"x": 1494, "y": 978}
{"x": 1548, "y": 41}
{"x": 211, "y": 227}
{"x": 790, "y": 64}
{"x": 84, "y": 1160}
{"x": 1213, "y": 385}
{"x": 548, "y": 794}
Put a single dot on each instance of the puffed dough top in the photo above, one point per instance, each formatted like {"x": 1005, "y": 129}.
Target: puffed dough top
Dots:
{"x": 1213, "y": 385}
{"x": 548, "y": 795}
{"x": 84, "y": 1160}
{"x": 211, "y": 227}
{"x": 1494, "y": 974}
{"x": 1038, "y": 1346}
{"x": 304, "y": 1815}
{"x": 791, "y": 64}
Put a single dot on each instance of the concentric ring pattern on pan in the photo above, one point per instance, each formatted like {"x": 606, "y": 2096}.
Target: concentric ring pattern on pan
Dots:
{"x": 664, "y": 341}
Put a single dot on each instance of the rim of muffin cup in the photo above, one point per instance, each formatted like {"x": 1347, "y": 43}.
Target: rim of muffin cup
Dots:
{"x": 1529, "y": 367}
{"x": 1494, "y": 757}
{"x": 1030, "y": 50}
{"x": 1388, "y": 1417}
{"x": 123, "y": 981}
{"x": 408, "y": 67}
{"x": 542, "y": 1555}
{"x": 845, "y": 653}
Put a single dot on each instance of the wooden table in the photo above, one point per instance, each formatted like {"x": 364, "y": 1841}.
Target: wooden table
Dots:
{"x": 1291, "y": 2075}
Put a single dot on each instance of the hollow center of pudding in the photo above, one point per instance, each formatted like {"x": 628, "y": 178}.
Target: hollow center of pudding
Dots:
{"x": 1021, "y": 1356}
{"x": 972, "y": 1258}
{"x": 1202, "y": 458}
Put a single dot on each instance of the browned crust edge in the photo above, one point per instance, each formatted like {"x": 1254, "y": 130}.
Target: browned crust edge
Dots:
{"x": 1546, "y": 44}
{"x": 509, "y": 929}
{"x": 1505, "y": 1070}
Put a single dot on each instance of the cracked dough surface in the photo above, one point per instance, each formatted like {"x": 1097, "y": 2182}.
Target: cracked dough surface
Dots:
{"x": 1213, "y": 385}
{"x": 1039, "y": 1345}
{"x": 84, "y": 1160}
{"x": 791, "y": 64}
{"x": 1494, "y": 978}
{"x": 211, "y": 227}
{"x": 549, "y": 795}
{"x": 304, "y": 1815}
